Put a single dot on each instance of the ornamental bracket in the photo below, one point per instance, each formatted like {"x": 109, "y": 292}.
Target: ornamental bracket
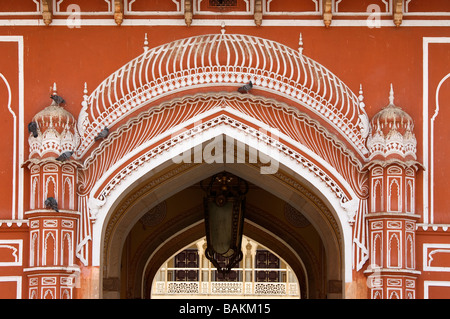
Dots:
{"x": 398, "y": 12}
{"x": 118, "y": 11}
{"x": 327, "y": 12}
{"x": 47, "y": 11}
{"x": 258, "y": 12}
{"x": 188, "y": 12}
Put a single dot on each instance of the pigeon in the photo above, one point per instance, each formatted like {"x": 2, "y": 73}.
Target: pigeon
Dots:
{"x": 32, "y": 128}
{"x": 64, "y": 156}
{"x": 58, "y": 100}
{"x": 102, "y": 134}
{"x": 51, "y": 202}
{"x": 246, "y": 88}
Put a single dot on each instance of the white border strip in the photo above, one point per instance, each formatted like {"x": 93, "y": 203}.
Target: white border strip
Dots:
{"x": 18, "y": 280}
{"x": 428, "y": 249}
{"x": 431, "y": 283}
{"x": 18, "y": 253}
{"x": 428, "y": 209}
{"x": 18, "y": 148}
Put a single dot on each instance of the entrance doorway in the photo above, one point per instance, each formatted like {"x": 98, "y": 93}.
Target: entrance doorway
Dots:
{"x": 282, "y": 249}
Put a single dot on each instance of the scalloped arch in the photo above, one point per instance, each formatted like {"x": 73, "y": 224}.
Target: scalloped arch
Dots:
{"x": 223, "y": 60}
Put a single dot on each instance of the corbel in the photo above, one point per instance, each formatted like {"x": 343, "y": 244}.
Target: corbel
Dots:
{"x": 398, "y": 12}
{"x": 258, "y": 12}
{"x": 47, "y": 12}
{"x": 188, "y": 12}
{"x": 327, "y": 12}
{"x": 118, "y": 11}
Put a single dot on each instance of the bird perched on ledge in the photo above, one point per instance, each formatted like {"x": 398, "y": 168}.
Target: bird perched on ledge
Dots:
{"x": 58, "y": 100}
{"x": 64, "y": 156}
{"x": 103, "y": 134}
{"x": 51, "y": 202}
{"x": 246, "y": 88}
{"x": 32, "y": 128}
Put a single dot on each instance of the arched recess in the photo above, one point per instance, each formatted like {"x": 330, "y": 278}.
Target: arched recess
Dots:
{"x": 296, "y": 185}
{"x": 324, "y": 172}
{"x": 189, "y": 227}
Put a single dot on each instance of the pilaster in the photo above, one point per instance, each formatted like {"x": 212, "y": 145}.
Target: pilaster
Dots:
{"x": 53, "y": 272}
{"x": 391, "y": 220}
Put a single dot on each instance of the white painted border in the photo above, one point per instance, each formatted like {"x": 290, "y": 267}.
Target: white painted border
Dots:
{"x": 18, "y": 280}
{"x": 428, "y": 139}
{"x": 317, "y": 184}
{"x": 218, "y": 111}
{"x": 37, "y": 12}
{"x": 18, "y": 198}
{"x": 57, "y": 11}
{"x": 416, "y": 13}
{"x": 431, "y": 283}
{"x": 19, "y": 252}
{"x": 425, "y": 257}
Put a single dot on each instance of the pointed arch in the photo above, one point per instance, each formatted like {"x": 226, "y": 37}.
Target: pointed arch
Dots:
{"x": 34, "y": 248}
{"x": 35, "y": 191}
{"x": 394, "y": 251}
{"x": 49, "y": 255}
{"x": 50, "y": 189}
{"x": 67, "y": 193}
{"x": 394, "y": 195}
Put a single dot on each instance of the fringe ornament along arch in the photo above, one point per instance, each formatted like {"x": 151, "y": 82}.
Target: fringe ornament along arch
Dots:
{"x": 159, "y": 126}
{"x": 223, "y": 60}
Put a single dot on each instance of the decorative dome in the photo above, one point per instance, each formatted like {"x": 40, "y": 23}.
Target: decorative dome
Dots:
{"x": 392, "y": 133}
{"x": 56, "y": 132}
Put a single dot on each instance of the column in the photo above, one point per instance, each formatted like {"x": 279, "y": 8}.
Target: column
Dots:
{"x": 53, "y": 272}
{"x": 391, "y": 224}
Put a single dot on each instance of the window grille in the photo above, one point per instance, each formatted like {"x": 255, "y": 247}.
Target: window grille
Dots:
{"x": 222, "y": 3}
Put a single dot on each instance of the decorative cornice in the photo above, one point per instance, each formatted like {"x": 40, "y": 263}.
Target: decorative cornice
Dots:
{"x": 14, "y": 222}
{"x": 433, "y": 227}
{"x": 385, "y": 163}
{"x": 393, "y": 215}
{"x": 37, "y": 161}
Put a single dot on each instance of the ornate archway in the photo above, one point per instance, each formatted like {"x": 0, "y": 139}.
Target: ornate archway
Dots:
{"x": 173, "y": 233}
{"x": 205, "y": 117}
{"x": 157, "y": 84}
{"x": 300, "y": 118}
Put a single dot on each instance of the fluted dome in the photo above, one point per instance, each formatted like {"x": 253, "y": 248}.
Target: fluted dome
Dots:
{"x": 392, "y": 133}
{"x": 56, "y": 128}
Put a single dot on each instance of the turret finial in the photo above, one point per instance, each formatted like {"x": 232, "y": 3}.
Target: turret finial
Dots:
{"x": 391, "y": 95}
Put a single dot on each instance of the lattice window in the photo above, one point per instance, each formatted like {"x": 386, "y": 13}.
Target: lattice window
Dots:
{"x": 222, "y": 3}
{"x": 186, "y": 259}
{"x": 266, "y": 259}
{"x": 189, "y": 273}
